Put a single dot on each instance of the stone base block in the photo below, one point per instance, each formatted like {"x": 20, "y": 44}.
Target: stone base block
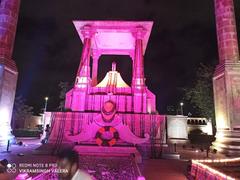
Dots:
{"x": 228, "y": 143}
{"x": 109, "y": 151}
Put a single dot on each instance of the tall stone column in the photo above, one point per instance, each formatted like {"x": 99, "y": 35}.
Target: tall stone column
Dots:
{"x": 95, "y": 58}
{"x": 83, "y": 75}
{"x": 226, "y": 31}
{"x": 138, "y": 80}
{"x": 83, "y": 79}
{"x": 8, "y": 71}
{"x": 226, "y": 80}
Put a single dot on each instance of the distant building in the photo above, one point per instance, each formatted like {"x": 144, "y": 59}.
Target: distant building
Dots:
{"x": 179, "y": 127}
{"x": 33, "y": 122}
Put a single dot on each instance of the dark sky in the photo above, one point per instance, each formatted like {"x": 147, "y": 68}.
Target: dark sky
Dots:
{"x": 47, "y": 47}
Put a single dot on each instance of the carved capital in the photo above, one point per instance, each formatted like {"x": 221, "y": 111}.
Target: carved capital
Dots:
{"x": 87, "y": 31}
{"x": 139, "y": 32}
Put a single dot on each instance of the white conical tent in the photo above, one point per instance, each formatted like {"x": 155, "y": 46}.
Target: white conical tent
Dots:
{"x": 113, "y": 79}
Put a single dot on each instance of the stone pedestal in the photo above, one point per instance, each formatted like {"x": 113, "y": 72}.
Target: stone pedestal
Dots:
{"x": 8, "y": 82}
{"x": 8, "y": 70}
{"x": 109, "y": 151}
{"x": 226, "y": 83}
{"x": 226, "y": 80}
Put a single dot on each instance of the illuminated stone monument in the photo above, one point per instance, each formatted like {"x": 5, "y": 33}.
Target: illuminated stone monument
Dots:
{"x": 110, "y": 112}
{"x": 118, "y": 38}
{"x": 8, "y": 70}
{"x": 226, "y": 80}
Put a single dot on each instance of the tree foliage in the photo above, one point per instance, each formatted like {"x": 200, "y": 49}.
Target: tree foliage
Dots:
{"x": 200, "y": 95}
{"x": 21, "y": 112}
{"x": 64, "y": 87}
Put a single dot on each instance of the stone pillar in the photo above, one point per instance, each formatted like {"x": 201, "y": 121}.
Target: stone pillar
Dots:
{"x": 226, "y": 31}
{"x": 95, "y": 58}
{"x": 83, "y": 75}
{"x": 83, "y": 80}
{"x": 226, "y": 81}
{"x": 8, "y": 71}
{"x": 138, "y": 80}
{"x": 8, "y": 22}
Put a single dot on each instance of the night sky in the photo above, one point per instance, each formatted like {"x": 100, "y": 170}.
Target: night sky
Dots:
{"x": 47, "y": 47}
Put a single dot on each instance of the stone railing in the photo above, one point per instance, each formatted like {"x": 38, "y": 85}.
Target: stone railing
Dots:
{"x": 197, "y": 121}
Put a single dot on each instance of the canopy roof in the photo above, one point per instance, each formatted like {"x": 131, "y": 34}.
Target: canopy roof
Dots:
{"x": 114, "y": 37}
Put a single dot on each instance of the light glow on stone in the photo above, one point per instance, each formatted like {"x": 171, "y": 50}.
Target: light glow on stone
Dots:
{"x": 221, "y": 121}
{"x": 218, "y": 160}
{"x": 5, "y": 128}
{"x": 199, "y": 163}
{"x": 219, "y": 135}
{"x": 4, "y": 115}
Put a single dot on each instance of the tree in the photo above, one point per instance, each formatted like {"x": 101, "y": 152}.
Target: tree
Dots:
{"x": 21, "y": 112}
{"x": 198, "y": 138}
{"x": 64, "y": 86}
{"x": 201, "y": 94}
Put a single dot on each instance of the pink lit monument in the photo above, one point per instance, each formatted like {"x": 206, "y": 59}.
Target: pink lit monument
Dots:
{"x": 110, "y": 112}
{"x": 226, "y": 81}
{"x": 8, "y": 70}
{"x": 118, "y": 38}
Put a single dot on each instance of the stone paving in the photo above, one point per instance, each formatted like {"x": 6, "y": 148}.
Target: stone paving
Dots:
{"x": 108, "y": 167}
{"x": 157, "y": 169}
{"x": 25, "y": 154}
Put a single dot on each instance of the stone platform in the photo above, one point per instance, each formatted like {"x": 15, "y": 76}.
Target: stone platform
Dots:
{"x": 228, "y": 143}
{"x": 70, "y": 124}
{"x": 109, "y": 152}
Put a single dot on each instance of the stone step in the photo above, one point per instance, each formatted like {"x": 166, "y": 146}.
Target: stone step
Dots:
{"x": 109, "y": 151}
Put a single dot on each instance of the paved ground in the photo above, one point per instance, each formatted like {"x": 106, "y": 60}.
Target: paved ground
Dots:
{"x": 155, "y": 169}
{"x": 189, "y": 153}
{"x": 107, "y": 168}
{"x": 23, "y": 155}
{"x": 110, "y": 168}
